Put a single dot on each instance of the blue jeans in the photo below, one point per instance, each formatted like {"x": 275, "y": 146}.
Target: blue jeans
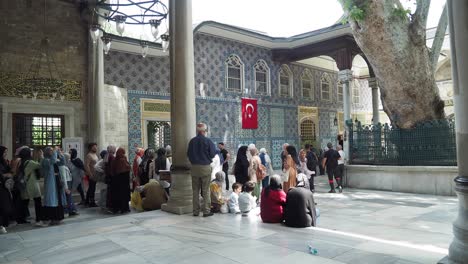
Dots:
{"x": 70, "y": 204}
{"x": 266, "y": 181}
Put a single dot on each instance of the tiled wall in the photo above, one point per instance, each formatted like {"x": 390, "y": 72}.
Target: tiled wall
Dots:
{"x": 149, "y": 78}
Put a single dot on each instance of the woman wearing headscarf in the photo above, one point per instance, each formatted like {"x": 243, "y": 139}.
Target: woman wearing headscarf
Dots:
{"x": 53, "y": 190}
{"x": 108, "y": 160}
{"x": 299, "y": 210}
{"x": 65, "y": 173}
{"x": 77, "y": 170}
{"x": 253, "y": 167}
{"x": 31, "y": 172}
{"x": 19, "y": 193}
{"x": 146, "y": 169}
{"x": 139, "y": 153}
{"x": 100, "y": 169}
{"x": 162, "y": 163}
{"x": 290, "y": 169}
{"x": 120, "y": 187}
{"x": 273, "y": 201}
{"x": 5, "y": 184}
{"x": 241, "y": 166}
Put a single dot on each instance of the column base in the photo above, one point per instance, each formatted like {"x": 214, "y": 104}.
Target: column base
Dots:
{"x": 180, "y": 201}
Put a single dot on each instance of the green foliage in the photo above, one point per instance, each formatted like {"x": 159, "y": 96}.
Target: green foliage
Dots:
{"x": 401, "y": 13}
{"x": 356, "y": 10}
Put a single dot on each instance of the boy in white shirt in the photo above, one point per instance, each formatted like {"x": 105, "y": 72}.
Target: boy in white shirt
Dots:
{"x": 340, "y": 169}
{"x": 233, "y": 202}
{"x": 247, "y": 202}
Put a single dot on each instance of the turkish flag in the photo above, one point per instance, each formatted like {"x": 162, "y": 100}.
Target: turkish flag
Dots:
{"x": 249, "y": 113}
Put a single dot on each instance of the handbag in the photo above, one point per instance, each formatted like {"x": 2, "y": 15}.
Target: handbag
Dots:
{"x": 261, "y": 172}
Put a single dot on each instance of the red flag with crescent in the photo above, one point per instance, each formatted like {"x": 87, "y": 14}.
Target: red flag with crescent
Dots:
{"x": 249, "y": 113}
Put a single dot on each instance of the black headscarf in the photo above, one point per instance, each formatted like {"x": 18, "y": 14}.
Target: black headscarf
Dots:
{"x": 25, "y": 155}
{"x": 4, "y": 168}
{"x": 75, "y": 160}
{"x": 241, "y": 167}
{"x": 160, "y": 162}
{"x": 103, "y": 154}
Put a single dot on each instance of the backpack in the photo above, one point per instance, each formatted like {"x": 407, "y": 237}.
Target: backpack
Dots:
{"x": 261, "y": 172}
{"x": 262, "y": 158}
{"x": 20, "y": 181}
{"x": 312, "y": 161}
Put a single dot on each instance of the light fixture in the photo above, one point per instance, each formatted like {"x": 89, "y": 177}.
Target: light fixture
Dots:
{"x": 106, "y": 39}
{"x": 144, "y": 48}
{"x": 94, "y": 32}
{"x": 355, "y": 120}
{"x": 120, "y": 23}
{"x": 165, "y": 42}
{"x": 155, "y": 28}
{"x": 335, "y": 121}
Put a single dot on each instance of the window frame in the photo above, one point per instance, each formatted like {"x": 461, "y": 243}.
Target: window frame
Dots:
{"x": 329, "y": 81}
{"x": 338, "y": 85}
{"x": 355, "y": 88}
{"x": 227, "y": 65}
{"x": 285, "y": 68}
{"x": 263, "y": 63}
{"x": 309, "y": 74}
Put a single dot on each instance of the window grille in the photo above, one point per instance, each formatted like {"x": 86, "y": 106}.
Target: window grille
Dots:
{"x": 234, "y": 74}
{"x": 37, "y": 131}
{"x": 307, "y": 85}
{"x": 308, "y": 131}
{"x": 325, "y": 84}
{"x": 285, "y": 81}
{"x": 356, "y": 95}
{"x": 262, "y": 78}
{"x": 340, "y": 92}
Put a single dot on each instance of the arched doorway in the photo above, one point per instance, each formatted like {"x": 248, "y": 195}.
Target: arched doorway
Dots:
{"x": 159, "y": 134}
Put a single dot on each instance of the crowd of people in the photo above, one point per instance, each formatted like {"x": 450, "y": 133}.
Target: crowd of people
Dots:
{"x": 284, "y": 197}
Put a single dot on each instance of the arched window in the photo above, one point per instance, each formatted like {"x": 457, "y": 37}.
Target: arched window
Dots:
{"x": 356, "y": 92}
{"x": 308, "y": 131}
{"x": 262, "y": 78}
{"x": 285, "y": 81}
{"x": 325, "y": 85}
{"x": 307, "y": 83}
{"x": 339, "y": 92}
{"x": 234, "y": 74}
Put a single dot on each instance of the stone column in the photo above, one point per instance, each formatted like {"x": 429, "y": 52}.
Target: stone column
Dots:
{"x": 345, "y": 77}
{"x": 183, "y": 115}
{"x": 96, "y": 94}
{"x": 375, "y": 100}
{"x": 457, "y": 10}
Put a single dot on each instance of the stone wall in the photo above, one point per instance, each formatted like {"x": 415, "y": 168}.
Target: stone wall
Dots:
{"x": 115, "y": 116}
{"x": 22, "y": 29}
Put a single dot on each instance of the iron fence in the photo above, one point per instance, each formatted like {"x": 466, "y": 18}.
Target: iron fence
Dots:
{"x": 428, "y": 144}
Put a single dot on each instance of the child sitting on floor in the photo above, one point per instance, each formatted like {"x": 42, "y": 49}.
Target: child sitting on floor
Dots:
{"x": 216, "y": 192}
{"x": 247, "y": 202}
{"x": 234, "y": 198}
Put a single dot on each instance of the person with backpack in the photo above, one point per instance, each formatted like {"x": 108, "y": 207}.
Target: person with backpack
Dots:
{"x": 330, "y": 161}
{"x": 266, "y": 161}
{"x": 311, "y": 161}
{"x": 31, "y": 172}
{"x": 257, "y": 172}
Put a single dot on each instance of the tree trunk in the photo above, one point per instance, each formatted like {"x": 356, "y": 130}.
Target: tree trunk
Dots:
{"x": 396, "y": 49}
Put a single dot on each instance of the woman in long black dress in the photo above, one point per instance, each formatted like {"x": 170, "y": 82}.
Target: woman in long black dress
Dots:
{"x": 241, "y": 167}
{"x": 120, "y": 183}
{"x": 5, "y": 195}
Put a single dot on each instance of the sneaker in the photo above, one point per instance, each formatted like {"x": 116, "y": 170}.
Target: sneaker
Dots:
{"x": 73, "y": 214}
{"x": 340, "y": 189}
{"x": 332, "y": 191}
{"x": 245, "y": 214}
{"x": 207, "y": 214}
{"x": 196, "y": 214}
{"x": 3, "y": 230}
{"x": 92, "y": 205}
{"x": 40, "y": 224}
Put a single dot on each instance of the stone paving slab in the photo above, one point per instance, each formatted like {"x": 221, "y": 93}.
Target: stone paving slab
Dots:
{"x": 357, "y": 226}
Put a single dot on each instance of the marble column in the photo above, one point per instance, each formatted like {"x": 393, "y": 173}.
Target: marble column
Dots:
{"x": 375, "y": 100}
{"x": 96, "y": 94}
{"x": 183, "y": 117}
{"x": 457, "y": 10}
{"x": 346, "y": 77}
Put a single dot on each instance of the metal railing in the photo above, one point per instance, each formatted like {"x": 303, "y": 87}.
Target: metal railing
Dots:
{"x": 431, "y": 143}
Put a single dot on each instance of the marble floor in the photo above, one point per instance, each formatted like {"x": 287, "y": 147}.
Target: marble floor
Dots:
{"x": 358, "y": 226}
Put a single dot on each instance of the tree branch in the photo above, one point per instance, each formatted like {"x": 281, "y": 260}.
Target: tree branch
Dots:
{"x": 439, "y": 38}
{"x": 421, "y": 13}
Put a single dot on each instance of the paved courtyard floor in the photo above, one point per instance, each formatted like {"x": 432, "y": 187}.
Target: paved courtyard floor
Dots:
{"x": 358, "y": 226}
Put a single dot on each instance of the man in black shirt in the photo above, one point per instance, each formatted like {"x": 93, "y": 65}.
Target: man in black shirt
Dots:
{"x": 225, "y": 164}
{"x": 330, "y": 161}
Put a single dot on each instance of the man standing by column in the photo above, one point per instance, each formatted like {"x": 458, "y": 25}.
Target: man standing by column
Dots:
{"x": 91, "y": 160}
{"x": 201, "y": 152}
{"x": 225, "y": 164}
